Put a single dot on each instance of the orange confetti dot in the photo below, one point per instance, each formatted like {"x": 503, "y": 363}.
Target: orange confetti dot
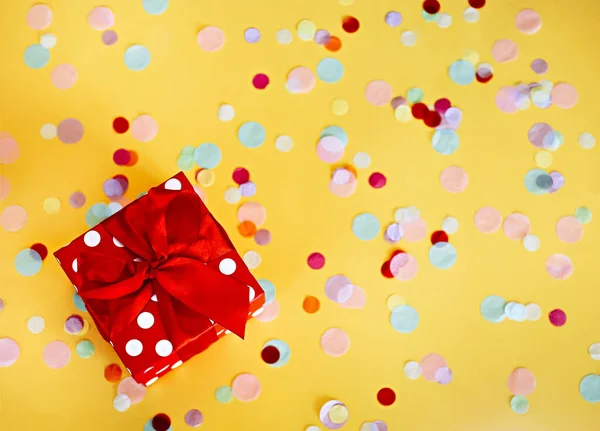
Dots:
{"x": 311, "y": 304}
{"x": 247, "y": 229}
{"x": 334, "y": 44}
{"x": 133, "y": 158}
{"x": 113, "y": 373}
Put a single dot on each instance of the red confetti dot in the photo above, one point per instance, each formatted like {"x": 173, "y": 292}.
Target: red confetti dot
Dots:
{"x": 120, "y": 125}
{"x": 41, "y": 250}
{"x": 377, "y": 180}
{"x": 386, "y": 396}
{"x": 433, "y": 119}
{"x": 316, "y": 260}
{"x": 477, "y": 4}
{"x": 260, "y": 81}
{"x": 557, "y": 317}
{"x": 121, "y": 157}
{"x": 442, "y": 105}
{"x": 350, "y": 24}
{"x": 431, "y": 6}
{"x": 270, "y": 354}
{"x": 241, "y": 175}
{"x": 439, "y": 236}
{"x": 113, "y": 373}
{"x": 396, "y": 253}
{"x": 122, "y": 179}
{"x": 161, "y": 422}
{"x": 386, "y": 271}
{"x": 419, "y": 110}
{"x": 483, "y": 79}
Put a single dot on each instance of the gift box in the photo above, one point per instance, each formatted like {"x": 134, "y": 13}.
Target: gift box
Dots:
{"x": 162, "y": 280}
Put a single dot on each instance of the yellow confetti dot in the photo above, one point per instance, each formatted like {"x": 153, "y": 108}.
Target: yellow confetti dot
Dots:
{"x": 339, "y": 106}
{"x": 206, "y": 177}
{"x": 543, "y": 159}
{"x": 306, "y": 30}
{"x": 394, "y": 301}
{"x": 52, "y": 205}
{"x": 338, "y": 414}
{"x": 471, "y": 56}
{"x": 403, "y": 113}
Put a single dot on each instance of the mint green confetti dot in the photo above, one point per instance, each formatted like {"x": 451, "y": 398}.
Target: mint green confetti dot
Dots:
{"x": 583, "y": 214}
{"x": 415, "y": 95}
{"x": 85, "y": 349}
{"x": 519, "y": 404}
{"x": 224, "y": 394}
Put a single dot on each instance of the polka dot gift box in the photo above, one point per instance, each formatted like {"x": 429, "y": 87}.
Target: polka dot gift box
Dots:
{"x": 162, "y": 280}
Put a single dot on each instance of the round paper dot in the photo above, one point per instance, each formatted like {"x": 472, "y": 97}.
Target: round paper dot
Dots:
{"x": 36, "y": 56}
{"x": 454, "y": 179}
{"x": 85, "y": 349}
{"x": 207, "y": 156}
{"x": 330, "y": 70}
{"x": 519, "y": 404}
{"x": 70, "y": 131}
{"x": 284, "y": 36}
{"x": 39, "y": 17}
{"x": 134, "y": 347}
{"x": 137, "y": 57}
{"x": 521, "y": 382}
{"x": 35, "y": 324}
{"x": 404, "y": 319}
{"x": 445, "y": 141}
{"x": 101, "y": 18}
{"x": 378, "y": 93}
{"x": 300, "y": 80}
{"x": 450, "y": 225}
{"x": 56, "y": 355}
{"x": 121, "y": 402}
{"x": 109, "y": 37}
{"x": 393, "y": 19}
{"x": 533, "y": 312}
{"x": 211, "y": 38}
{"x": 276, "y": 353}
{"x": 226, "y": 112}
{"x": 163, "y": 348}
{"x": 13, "y": 218}
{"x": 471, "y": 15}
{"x": 528, "y": 21}
{"x": 28, "y": 262}
{"x": 516, "y": 226}
{"x": 260, "y": 81}
{"x": 365, "y": 226}
{"x": 246, "y": 387}
{"x": 113, "y": 373}
{"x": 557, "y": 317}
{"x": 386, "y": 397}
{"x": 306, "y": 30}
{"x": 377, "y": 180}
{"x": 362, "y": 160}
{"x": 284, "y": 143}
{"x": 586, "y": 140}
{"x": 155, "y": 7}
{"x": 492, "y": 309}
{"x": 224, "y": 394}
{"x": 594, "y": 351}
{"x": 52, "y": 205}
{"x": 48, "y": 131}
{"x": 9, "y": 351}
{"x": 462, "y": 72}
{"x": 531, "y": 242}
{"x": 251, "y": 134}
{"x": 569, "y": 229}
{"x": 161, "y": 422}
{"x": 335, "y": 342}
{"x": 564, "y": 95}
{"x": 316, "y": 261}
{"x": 430, "y": 364}
{"x": 442, "y": 255}
{"x": 583, "y": 214}
{"x": 338, "y": 414}
{"x": 144, "y": 128}
{"x": 48, "y": 41}
{"x": 408, "y": 38}
{"x": 193, "y": 418}
{"x": 252, "y": 259}
{"x": 339, "y": 106}
{"x": 311, "y": 304}
{"x": 64, "y": 76}
{"x": 135, "y": 391}
{"x": 4, "y": 189}
{"x": 505, "y": 50}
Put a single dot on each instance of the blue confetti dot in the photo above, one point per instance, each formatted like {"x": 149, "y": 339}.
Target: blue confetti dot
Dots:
{"x": 365, "y": 226}
{"x": 492, "y": 309}
{"x": 149, "y": 427}
{"x": 155, "y": 7}
{"x": 462, "y": 72}
{"x": 252, "y": 134}
{"x": 79, "y": 302}
{"x": 589, "y": 388}
{"x": 36, "y": 56}
{"x": 336, "y": 131}
{"x": 445, "y": 141}
{"x": 269, "y": 289}
{"x": 207, "y": 156}
{"x": 137, "y": 57}
{"x": 330, "y": 70}
{"x": 96, "y": 214}
{"x": 442, "y": 255}
{"x": 284, "y": 352}
{"x": 28, "y": 262}
{"x": 404, "y": 319}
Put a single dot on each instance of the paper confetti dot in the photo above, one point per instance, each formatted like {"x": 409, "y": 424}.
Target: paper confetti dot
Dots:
{"x": 13, "y": 218}
{"x": 557, "y": 317}
{"x": 101, "y": 18}
{"x": 56, "y": 355}
{"x": 442, "y": 255}
{"x": 316, "y": 261}
{"x": 583, "y": 215}
{"x": 594, "y": 351}
{"x": 28, "y": 262}
{"x": 246, "y": 387}
{"x": 408, "y": 38}
{"x": 528, "y": 21}
{"x": 505, "y": 50}
{"x": 36, "y": 324}
{"x": 251, "y": 134}
{"x": 70, "y": 131}
{"x": 519, "y": 404}
{"x": 137, "y": 57}
{"x": 335, "y": 342}
{"x": 109, "y": 37}
{"x": 492, "y": 309}
{"x": 330, "y": 70}
{"x": 521, "y": 382}
{"x": 284, "y": 143}
{"x": 311, "y": 304}
{"x": 155, "y": 7}
{"x": 193, "y": 418}
{"x": 386, "y": 397}
{"x": 224, "y": 394}
{"x": 226, "y": 112}
{"x": 39, "y": 17}
{"x": 48, "y": 41}
{"x": 64, "y": 76}
{"x": 284, "y": 36}
{"x": 52, "y": 205}
{"x": 365, "y": 226}
{"x": 412, "y": 370}
{"x": 144, "y": 128}
{"x": 559, "y": 266}
{"x": 589, "y": 388}
{"x": 9, "y": 351}
{"x": 121, "y": 402}
{"x": 586, "y": 140}
{"x": 404, "y": 319}
{"x": 113, "y": 373}
{"x": 211, "y": 39}
{"x": 36, "y": 56}
{"x": 85, "y": 349}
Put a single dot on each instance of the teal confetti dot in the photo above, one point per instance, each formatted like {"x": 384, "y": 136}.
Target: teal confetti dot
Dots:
{"x": 462, "y": 72}
{"x": 415, "y": 95}
{"x": 224, "y": 394}
{"x": 404, "y": 319}
{"x": 185, "y": 162}
{"x": 284, "y": 352}
{"x": 336, "y": 131}
{"x": 155, "y": 7}
{"x": 330, "y": 70}
{"x": 519, "y": 404}
{"x": 207, "y": 156}
{"x": 445, "y": 141}
{"x": 36, "y": 56}
{"x": 365, "y": 226}
{"x": 96, "y": 214}
{"x": 492, "y": 309}
{"x": 137, "y": 57}
{"x": 78, "y": 302}
{"x": 584, "y": 215}
{"x": 428, "y": 16}
{"x": 589, "y": 388}
{"x": 85, "y": 349}
{"x": 251, "y": 134}
{"x": 442, "y": 255}
{"x": 269, "y": 289}
{"x": 28, "y": 262}
{"x": 531, "y": 181}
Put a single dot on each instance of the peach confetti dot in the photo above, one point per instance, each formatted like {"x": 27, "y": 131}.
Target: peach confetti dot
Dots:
{"x": 13, "y": 218}
{"x": 488, "y": 219}
{"x": 39, "y": 17}
{"x": 134, "y": 390}
{"x": 454, "y": 179}
{"x": 269, "y": 313}
{"x": 569, "y": 229}
{"x": 144, "y": 128}
{"x": 430, "y": 364}
{"x": 521, "y": 382}
{"x": 505, "y": 50}
{"x": 9, "y": 149}
{"x": 246, "y": 387}
{"x": 335, "y": 342}
{"x": 56, "y": 355}
{"x": 516, "y": 226}
{"x": 64, "y": 76}
{"x": 564, "y": 95}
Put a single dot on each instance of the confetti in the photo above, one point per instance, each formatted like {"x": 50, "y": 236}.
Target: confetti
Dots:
{"x": 393, "y": 19}
{"x": 155, "y": 7}
{"x": 519, "y": 404}
{"x": 505, "y": 50}
{"x": 28, "y": 262}
{"x": 335, "y": 342}
{"x": 557, "y": 317}
{"x": 246, "y": 387}
{"x": 311, "y": 304}
{"x": 404, "y": 319}
{"x": 521, "y": 382}
{"x": 211, "y": 39}
{"x": 193, "y": 418}
{"x": 224, "y": 394}
{"x": 9, "y": 351}
{"x": 589, "y": 388}
{"x": 70, "y": 131}
{"x": 528, "y": 21}
{"x": 56, "y": 355}
{"x": 36, "y": 56}
{"x": 113, "y": 373}
{"x": 64, "y": 76}
{"x": 386, "y": 397}
{"x": 339, "y": 417}
{"x": 39, "y": 17}
{"x": 121, "y": 403}
{"x": 35, "y": 324}
{"x": 330, "y": 70}
{"x": 594, "y": 351}
{"x": 559, "y": 266}
{"x": 276, "y": 353}
{"x": 85, "y": 349}
{"x": 316, "y": 261}
{"x": 13, "y": 218}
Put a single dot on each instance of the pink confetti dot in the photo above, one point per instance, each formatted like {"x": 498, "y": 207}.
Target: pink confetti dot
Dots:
{"x": 260, "y": 81}
{"x": 241, "y": 176}
{"x": 56, "y": 355}
{"x": 9, "y": 352}
{"x": 557, "y": 317}
{"x": 70, "y": 131}
{"x": 377, "y": 180}
{"x": 121, "y": 157}
{"x": 316, "y": 260}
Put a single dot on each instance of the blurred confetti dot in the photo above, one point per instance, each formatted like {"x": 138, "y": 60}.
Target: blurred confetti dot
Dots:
{"x": 224, "y": 394}
{"x": 586, "y": 140}
{"x": 306, "y": 30}
{"x": 207, "y": 156}
{"x": 36, "y": 324}
{"x": 246, "y": 387}
{"x": 284, "y": 36}
{"x": 505, "y": 50}
{"x": 64, "y": 76}
{"x": 70, "y": 131}
{"x": 442, "y": 255}
{"x": 73, "y": 324}
{"x": 594, "y": 351}
{"x": 519, "y": 404}
{"x": 155, "y": 7}
{"x": 366, "y": 227}
{"x": 362, "y": 160}
{"x": 9, "y": 351}
{"x": 408, "y": 38}
{"x": 252, "y": 35}
{"x": 471, "y": 15}
{"x": 252, "y": 259}
{"x": 311, "y": 304}
{"x": 161, "y": 422}
{"x": 589, "y": 388}
{"x": 284, "y": 143}
{"x": 48, "y": 131}
{"x": 583, "y": 214}
{"x": 120, "y": 125}
{"x": 316, "y": 261}
{"x": 521, "y": 382}
{"x": 394, "y": 301}
{"x": 121, "y": 402}
{"x": 260, "y": 81}
{"x": 77, "y": 199}
{"x": 36, "y": 56}
{"x": 528, "y": 21}
{"x": 404, "y": 319}
{"x": 531, "y": 242}
{"x": 450, "y": 225}
{"x": 564, "y": 95}
{"x": 334, "y": 420}
{"x": 251, "y": 134}
{"x": 300, "y": 80}
{"x": 339, "y": 106}
{"x": 28, "y": 262}
{"x": 13, "y": 218}
{"x": 211, "y": 39}
{"x": 226, "y": 112}
{"x": 430, "y": 364}
{"x": 39, "y": 17}
{"x": 492, "y": 309}
{"x": 276, "y": 353}
{"x": 109, "y": 37}
{"x": 559, "y": 266}
{"x": 569, "y": 229}
{"x": 268, "y": 288}
{"x": 454, "y": 179}
{"x": 85, "y": 349}
{"x": 144, "y": 128}
{"x": 137, "y": 57}
{"x": 48, "y": 41}
{"x": 52, "y": 205}
{"x": 393, "y": 19}
{"x": 330, "y": 70}
{"x": 193, "y": 418}
{"x": 113, "y": 373}
{"x": 135, "y": 391}
{"x": 335, "y": 342}
{"x": 539, "y": 66}
{"x": 56, "y": 355}
{"x": 488, "y": 220}
{"x": 101, "y": 18}
{"x": 412, "y": 370}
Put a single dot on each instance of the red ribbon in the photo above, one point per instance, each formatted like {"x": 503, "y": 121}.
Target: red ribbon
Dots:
{"x": 174, "y": 236}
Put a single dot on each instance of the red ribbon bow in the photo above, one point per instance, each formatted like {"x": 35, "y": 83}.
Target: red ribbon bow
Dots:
{"x": 177, "y": 243}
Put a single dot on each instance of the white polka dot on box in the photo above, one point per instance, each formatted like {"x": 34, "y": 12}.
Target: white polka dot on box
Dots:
{"x": 138, "y": 270}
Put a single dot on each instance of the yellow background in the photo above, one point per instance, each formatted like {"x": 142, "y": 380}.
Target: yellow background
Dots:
{"x": 182, "y": 89}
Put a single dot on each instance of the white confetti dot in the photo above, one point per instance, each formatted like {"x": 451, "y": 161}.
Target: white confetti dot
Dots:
{"x": 252, "y": 259}
{"x": 232, "y": 195}
{"x": 48, "y": 41}
{"x": 227, "y": 266}
{"x": 91, "y": 238}
{"x": 531, "y": 242}
{"x": 284, "y": 36}
{"x": 226, "y": 112}
{"x": 134, "y": 347}
{"x": 284, "y": 143}
{"x": 48, "y": 131}
{"x": 586, "y": 140}
{"x": 471, "y": 15}
{"x": 36, "y": 324}
{"x": 145, "y": 320}
{"x": 412, "y": 370}
{"x": 173, "y": 184}
{"x": 122, "y": 402}
{"x": 533, "y": 312}
{"x": 450, "y": 225}
{"x": 176, "y": 364}
{"x": 408, "y": 38}
{"x": 362, "y": 160}
{"x": 74, "y": 265}
{"x": 443, "y": 20}
{"x": 117, "y": 242}
{"x": 595, "y": 351}
{"x": 164, "y": 348}
{"x": 152, "y": 380}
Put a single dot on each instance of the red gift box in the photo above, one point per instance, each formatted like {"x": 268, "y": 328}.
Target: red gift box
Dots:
{"x": 162, "y": 280}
